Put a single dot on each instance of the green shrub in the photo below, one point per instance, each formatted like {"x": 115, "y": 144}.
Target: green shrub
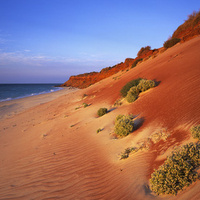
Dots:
{"x": 134, "y": 91}
{"x": 102, "y": 111}
{"x": 195, "y": 130}
{"x": 129, "y": 85}
{"x": 136, "y": 62}
{"x": 126, "y": 153}
{"x": 132, "y": 94}
{"x": 143, "y": 50}
{"x": 118, "y": 118}
{"x": 178, "y": 171}
{"x": 171, "y": 42}
{"x": 98, "y": 130}
{"x": 85, "y": 105}
{"x": 123, "y": 125}
{"x": 131, "y": 97}
{"x": 145, "y": 85}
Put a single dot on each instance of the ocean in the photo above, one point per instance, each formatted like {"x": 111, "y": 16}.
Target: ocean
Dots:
{"x": 17, "y": 91}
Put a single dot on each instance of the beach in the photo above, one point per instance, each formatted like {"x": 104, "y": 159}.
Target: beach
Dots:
{"x": 50, "y": 148}
{"x": 12, "y": 107}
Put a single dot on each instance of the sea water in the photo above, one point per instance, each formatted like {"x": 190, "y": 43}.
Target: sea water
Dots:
{"x": 16, "y": 91}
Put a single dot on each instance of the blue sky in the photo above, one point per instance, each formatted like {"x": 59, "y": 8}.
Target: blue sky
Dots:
{"x": 46, "y": 41}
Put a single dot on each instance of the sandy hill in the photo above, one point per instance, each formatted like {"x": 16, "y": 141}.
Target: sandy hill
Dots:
{"x": 186, "y": 31}
{"x": 53, "y": 151}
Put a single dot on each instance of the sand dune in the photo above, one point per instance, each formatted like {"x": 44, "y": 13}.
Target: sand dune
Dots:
{"x": 52, "y": 150}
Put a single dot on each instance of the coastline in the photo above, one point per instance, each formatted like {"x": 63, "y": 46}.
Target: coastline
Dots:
{"x": 15, "y": 106}
{"x": 51, "y": 149}
{"x": 19, "y": 91}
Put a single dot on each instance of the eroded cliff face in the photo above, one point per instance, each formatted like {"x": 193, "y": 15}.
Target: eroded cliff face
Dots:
{"x": 188, "y": 30}
{"x": 87, "y": 79}
{"x": 189, "y": 33}
{"x": 84, "y": 80}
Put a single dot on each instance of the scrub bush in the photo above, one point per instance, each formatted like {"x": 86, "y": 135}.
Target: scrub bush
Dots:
{"x": 145, "y": 85}
{"x": 118, "y": 118}
{"x": 143, "y": 50}
{"x": 195, "y": 130}
{"x": 85, "y": 105}
{"x": 132, "y": 94}
{"x": 99, "y": 130}
{"x": 123, "y": 125}
{"x": 129, "y": 85}
{"x": 178, "y": 171}
{"x": 136, "y": 62}
{"x": 171, "y": 42}
{"x": 134, "y": 91}
{"x": 102, "y": 111}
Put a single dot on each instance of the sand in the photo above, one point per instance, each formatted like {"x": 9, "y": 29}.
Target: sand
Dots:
{"x": 10, "y": 108}
{"x": 50, "y": 148}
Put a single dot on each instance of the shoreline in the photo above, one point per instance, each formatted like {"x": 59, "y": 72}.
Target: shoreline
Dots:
{"x": 52, "y": 149}
{"x": 15, "y": 106}
{"x": 30, "y": 94}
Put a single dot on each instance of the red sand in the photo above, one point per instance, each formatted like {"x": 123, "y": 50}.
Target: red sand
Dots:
{"x": 52, "y": 150}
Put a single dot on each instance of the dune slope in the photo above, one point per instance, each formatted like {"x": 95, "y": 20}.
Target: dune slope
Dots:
{"x": 52, "y": 151}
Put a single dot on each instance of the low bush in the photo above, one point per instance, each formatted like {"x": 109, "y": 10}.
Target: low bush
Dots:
{"x": 145, "y": 85}
{"x": 124, "y": 125}
{"x": 136, "y": 62}
{"x": 118, "y": 118}
{"x": 178, "y": 171}
{"x": 195, "y": 130}
{"x": 129, "y": 85}
{"x": 98, "y": 130}
{"x": 102, "y": 111}
{"x": 132, "y": 94}
{"x": 134, "y": 91}
{"x": 146, "y": 143}
{"x": 171, "y": 42}
{"x": 143, "y": 50}
{"x": 85, "y": 105}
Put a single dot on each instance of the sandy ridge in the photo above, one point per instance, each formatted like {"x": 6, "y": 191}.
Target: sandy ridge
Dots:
{"x": 52, "y": 150}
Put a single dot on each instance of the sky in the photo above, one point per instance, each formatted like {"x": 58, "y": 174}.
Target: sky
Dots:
{"x": 47, "y": 41}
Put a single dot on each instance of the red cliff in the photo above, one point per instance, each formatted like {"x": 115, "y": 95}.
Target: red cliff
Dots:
{"x": 188, "y": 30}
{"x": 87, "y": 79}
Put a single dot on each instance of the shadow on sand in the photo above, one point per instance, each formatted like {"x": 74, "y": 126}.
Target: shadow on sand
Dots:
{"x": 138, "y": 123}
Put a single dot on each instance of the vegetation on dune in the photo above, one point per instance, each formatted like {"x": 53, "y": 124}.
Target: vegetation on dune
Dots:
{"x": 99, "y": 130}
{"x": 124, "y": 125}
{"x": 146, "y": 143}
{"x": 132, "y": 94}
{"x": 105, "y": 70}
{"x": 145, "y": 85}
{"x": 186, "y": 31}
{"x": 171, "y": 42}
{"x": 191, "y": 22}
{"x": 102, "y": 111}
{"x": 127, "y": 87}
{"x": 180, "y": 168}
{"x": 178, "y": 171}
{"x": 85, "y": 105}
{"x": 143, "y": 50}
{"x": 136, "y": 62}
{"x": 142, "y": 86}
{"x": 195, "y": 130}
